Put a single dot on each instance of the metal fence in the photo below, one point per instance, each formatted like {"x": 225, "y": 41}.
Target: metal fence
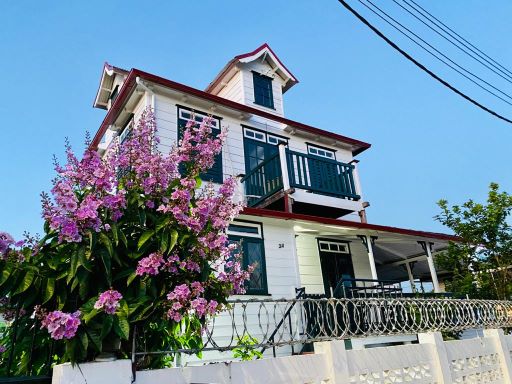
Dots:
{"x": 298, "y": 322}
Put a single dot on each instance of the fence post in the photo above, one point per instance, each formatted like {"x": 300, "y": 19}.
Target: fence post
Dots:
{"x": 440, "y": 355}
{"x": 336, "y": 355}
{"x": 498, "y": 338}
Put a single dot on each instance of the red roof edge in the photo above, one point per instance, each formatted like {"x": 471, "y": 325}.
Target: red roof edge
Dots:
{"x": 345, "y": 223}
{"x": 134, "y": 73}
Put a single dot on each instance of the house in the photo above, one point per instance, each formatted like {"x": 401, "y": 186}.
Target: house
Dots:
{"x": 305, "y": 223}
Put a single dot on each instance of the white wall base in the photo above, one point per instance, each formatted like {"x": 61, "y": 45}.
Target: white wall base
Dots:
{"x": 111, "y": 372}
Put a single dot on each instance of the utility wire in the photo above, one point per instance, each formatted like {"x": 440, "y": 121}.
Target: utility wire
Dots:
{"x": 419, "y": 65}
{"x": 457, "y": 37}
{"x": 439, "y": 52}
{"x": 493, "y": 68}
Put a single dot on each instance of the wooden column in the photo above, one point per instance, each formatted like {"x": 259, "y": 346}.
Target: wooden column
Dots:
{"x": 368, "y": 243}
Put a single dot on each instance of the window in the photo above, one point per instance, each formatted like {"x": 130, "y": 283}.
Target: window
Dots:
{"x": 332, "y": 246}
{"x": 114, "y": 93}
{"x": 263, "y": 90}
{"x": 215, "y": 173}
{"x": 249, "y": 238}
{"x": 321, "y": 152}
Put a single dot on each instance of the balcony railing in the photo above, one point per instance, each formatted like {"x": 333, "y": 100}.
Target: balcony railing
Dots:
{"x": 317, "y": 175}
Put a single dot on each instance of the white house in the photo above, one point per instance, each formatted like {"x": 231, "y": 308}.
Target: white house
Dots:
{"x": 305, "y": 225}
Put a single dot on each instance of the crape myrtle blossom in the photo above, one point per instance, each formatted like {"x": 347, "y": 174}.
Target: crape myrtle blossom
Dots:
{"x": 8, "y": 248}
{"x": 61, "y": 324}
{"x": 108, "y": 301}
{"x": 165, "y": 228}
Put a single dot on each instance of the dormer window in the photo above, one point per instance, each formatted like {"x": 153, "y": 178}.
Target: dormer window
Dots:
{"x": 263, "y": 90}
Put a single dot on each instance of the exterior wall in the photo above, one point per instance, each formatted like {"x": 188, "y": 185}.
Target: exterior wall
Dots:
{"x": 233, "y": 152}
{"x": 234, "y": 89}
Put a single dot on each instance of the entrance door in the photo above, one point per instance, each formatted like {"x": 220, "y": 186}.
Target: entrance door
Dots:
{"x": 336, "y": 263}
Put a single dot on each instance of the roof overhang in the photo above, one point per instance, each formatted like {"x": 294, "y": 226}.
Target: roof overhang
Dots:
{"x": 130, "y": 84}
{"x": 263, "y": 51}
{"x": 105, "y": 88}
{"x": 371, "y": 229}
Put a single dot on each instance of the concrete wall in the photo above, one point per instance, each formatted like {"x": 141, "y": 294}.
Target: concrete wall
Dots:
{"x": 432, "y": 361}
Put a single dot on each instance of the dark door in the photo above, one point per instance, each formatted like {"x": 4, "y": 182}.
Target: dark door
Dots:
{"x": 323, "y": 173}
{"x": 264, "y": 180}
{"x": 336, "y": 263}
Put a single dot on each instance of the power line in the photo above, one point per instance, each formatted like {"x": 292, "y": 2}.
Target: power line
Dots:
{"x": 419, "y": 65}
{"x": 492, "y": 68}
{"x": 457, "y": 36}
{"x": 435, "y": 49}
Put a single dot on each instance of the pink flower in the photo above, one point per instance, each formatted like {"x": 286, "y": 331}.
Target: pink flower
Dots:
{"x": 2, "y": 349}
{"x": 150, "y": 265}
{"x": 61, "y": 324}
{"x": 108, "y": 301}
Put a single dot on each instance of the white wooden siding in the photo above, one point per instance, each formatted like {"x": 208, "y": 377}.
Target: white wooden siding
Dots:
{"x": 234, "y": 89}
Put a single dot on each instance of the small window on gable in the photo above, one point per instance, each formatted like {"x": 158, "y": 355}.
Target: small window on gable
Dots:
{"x": 114, "y": 93}
{"x": 127, "y": 129}
{"x": 263, "y": 90}
{"x": 321, "y": 152}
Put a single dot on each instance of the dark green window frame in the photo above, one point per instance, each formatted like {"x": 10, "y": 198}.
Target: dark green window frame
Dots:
{"x": 246, "y": 242}
{"x": 263, "y": 94}
{"x": 215, "y": 173}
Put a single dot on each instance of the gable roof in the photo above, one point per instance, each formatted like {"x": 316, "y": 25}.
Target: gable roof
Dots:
{"x": 107, "y": 79}
{"x": 130, "y": 84}
{"x": 263, "y": 50}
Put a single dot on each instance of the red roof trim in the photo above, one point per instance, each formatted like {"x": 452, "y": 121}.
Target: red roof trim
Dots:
{"x": 232, "y": 62}
{"x": 345, "y": 223}
{"x": 134, "y": 73}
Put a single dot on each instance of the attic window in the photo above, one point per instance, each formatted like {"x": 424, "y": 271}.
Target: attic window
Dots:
{"x": 263, "y": 90}
{"x": 114, "y": 93}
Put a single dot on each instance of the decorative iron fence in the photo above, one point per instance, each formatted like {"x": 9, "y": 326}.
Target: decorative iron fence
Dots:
{"x": 298, "y": 322}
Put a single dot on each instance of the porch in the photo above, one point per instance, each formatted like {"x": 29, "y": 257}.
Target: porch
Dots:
{"x": 285, "y": 173}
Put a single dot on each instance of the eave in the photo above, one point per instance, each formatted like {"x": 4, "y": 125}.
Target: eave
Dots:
{"x": 130, "y": 84}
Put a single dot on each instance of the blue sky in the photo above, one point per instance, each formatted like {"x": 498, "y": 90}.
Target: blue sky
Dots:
{"x": 428, "y": 143}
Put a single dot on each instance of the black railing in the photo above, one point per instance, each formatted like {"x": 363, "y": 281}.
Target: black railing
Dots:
{"x": 263, "y": 181}
{"x": 320, "y": 175}
{"x": 368, "y": 288}
{"x": 300, "y": 294}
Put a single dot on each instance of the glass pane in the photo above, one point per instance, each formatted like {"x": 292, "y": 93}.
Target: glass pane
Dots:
{"x": 254, "y": 256}
{"x": 242, "y": 228}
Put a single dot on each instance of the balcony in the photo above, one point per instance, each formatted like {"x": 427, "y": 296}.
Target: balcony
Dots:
{"x": 288, "y": 170}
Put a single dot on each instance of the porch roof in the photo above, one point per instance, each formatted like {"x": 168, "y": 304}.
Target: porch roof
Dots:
{"x": 350, "y": 224}
{"x": 393, "y": 248}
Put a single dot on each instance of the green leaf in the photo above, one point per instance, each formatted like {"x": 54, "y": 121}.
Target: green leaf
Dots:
{"x": 26, "y": 282}
{"x": 144, "y": 237}
{"x": 164, "y": 241}
{"x": 84, "y": 341}
{"x": 107, "y": 326}
{"x": 121, "y": 327}
{"x": 49, "y": 290}
{"x": 107, "y": 262}
{"x": 105, "y": 240}
{"x": 96, "y": 338}
{"x": 174, "y": 239}
{"x": 6, "y": 272}
{"x": 123, "y": 238}
{"x": 73, "y": 266}
{"x": 131, "y": 278}
{"x": 115, "y": 235}
{"x": 90, "y": 315}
